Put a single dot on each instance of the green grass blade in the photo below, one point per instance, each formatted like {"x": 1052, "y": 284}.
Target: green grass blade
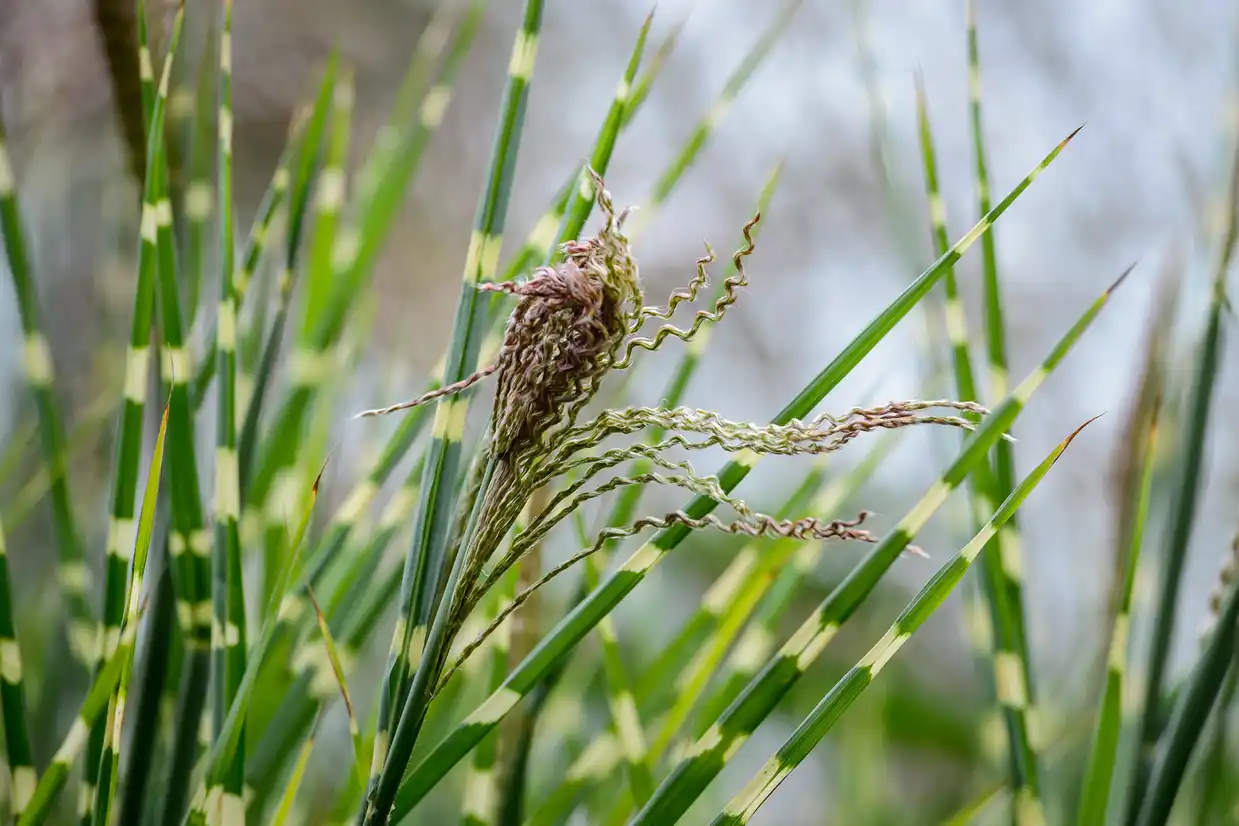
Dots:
{"x": 189, "y": 539}
{"x": 72, "y": 571}
{"x": 480, "y": 801}
{"x": 139, "y": 798}
{"x": 198, "y": 201}
{"x": 122, "y": 525}
{"x": 220, "y": 756}
{"x": 256, "y": 241}
{"x": 285, "y": 807}
{"x": 22, "y": 776}
{"x": 1099, "y": 774}
{"x": 995, "y": 331}
{"x": 107, "y": 777}
{"x": 602, "y": 600}
{"x": 1191, "y": 711}
{"x": 337, "y": 671}
{"x": 708, "y": 754}
{"x": 849, "y": 688}
{"x": 427, "y": 551}
{"x": 1001, "y": 577}
{"x": 1184, "y": 504}
{"x": 228, "y": 637}
{"x": 329, "y": 198}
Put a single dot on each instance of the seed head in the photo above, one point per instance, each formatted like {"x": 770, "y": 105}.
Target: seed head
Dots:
{"x": 561, "y": 337}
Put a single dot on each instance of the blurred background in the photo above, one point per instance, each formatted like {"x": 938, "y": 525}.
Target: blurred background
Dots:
{"x": 847, "y": 230}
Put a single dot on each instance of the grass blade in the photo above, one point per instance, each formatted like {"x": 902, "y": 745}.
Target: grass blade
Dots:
{"x": 847, "y": 690}
{"x": 1099, "y": 775}
{"x": 1001, "y": 577}
{"x": 22, "y": 776}
{"x": 1183, "y": 508}
{"x": 107, "y": 776}
{"x": 1191, "y": 711}
{"x": 40, "y": 376}
{"x": 285, "y": 807}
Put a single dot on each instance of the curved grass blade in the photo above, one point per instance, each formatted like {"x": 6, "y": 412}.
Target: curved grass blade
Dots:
{"x": 106, "y": 787}
{"x": 848, "y": 689}
{"x": 602, "y": 600}
{"x": 285, "y": 807}
{"x": 707, "y": 756}
{"x": 72, "y": 571}
{"x": 1183, "y": 508}
{"x": 425, "y": 562}
{"x": 22, "y": 776}
{"x": 1098, "y": 776}
{"x": 1001, "y": 577}
{"x": 139, "y": 799}
{"x": 337, "y": 671}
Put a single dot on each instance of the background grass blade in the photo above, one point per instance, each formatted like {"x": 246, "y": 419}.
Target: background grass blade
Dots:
{"x": 22, "y": 776}
{"x": 1191, "y": 710}
{"x": 1099, "y": 775}
{"x": 1184, "y": 504}
{"x": 40, "y": 377}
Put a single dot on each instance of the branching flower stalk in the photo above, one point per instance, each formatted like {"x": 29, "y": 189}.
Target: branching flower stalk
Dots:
{"x": 572, "y": 324}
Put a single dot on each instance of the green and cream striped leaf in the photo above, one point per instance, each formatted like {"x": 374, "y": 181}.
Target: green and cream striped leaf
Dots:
{"x": 1002, "y": 577}
{"x": 21, "y": 766}
{"x": 72, "y": 570}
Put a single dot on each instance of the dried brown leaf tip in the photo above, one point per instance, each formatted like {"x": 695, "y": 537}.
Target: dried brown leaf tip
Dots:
{"x": 573, "y": 323}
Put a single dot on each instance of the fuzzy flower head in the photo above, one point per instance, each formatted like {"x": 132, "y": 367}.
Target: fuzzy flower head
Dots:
{"x": 564, "y": 331}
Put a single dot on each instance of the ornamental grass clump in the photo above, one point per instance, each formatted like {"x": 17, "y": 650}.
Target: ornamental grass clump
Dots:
{"x": 478, "y": 671}
{"x": 573, "y": 323}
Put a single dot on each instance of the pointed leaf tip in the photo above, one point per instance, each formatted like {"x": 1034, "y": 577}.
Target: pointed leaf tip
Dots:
{"x": 1123, "y": 277}
{"x": 1074, "y": 132}
{"x": 1066, "y": 443}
